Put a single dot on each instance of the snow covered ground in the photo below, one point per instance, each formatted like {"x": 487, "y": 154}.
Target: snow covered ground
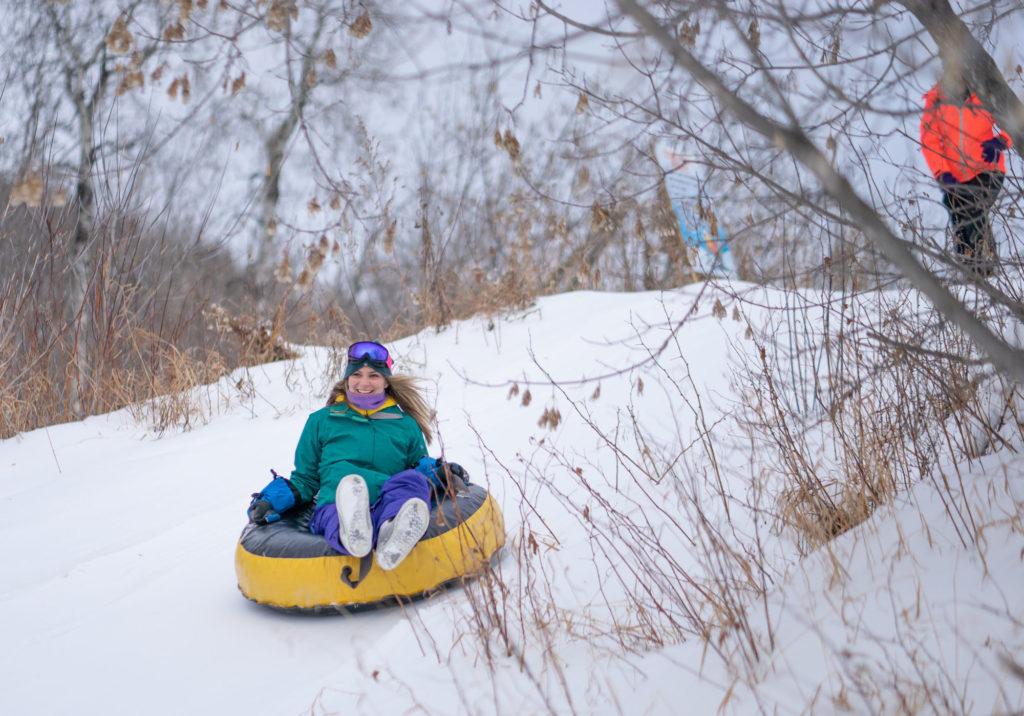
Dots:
{"x": 118, "y": 592}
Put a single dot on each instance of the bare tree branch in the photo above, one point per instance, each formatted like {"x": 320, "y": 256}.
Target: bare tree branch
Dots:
{"x": 794, "y": 141}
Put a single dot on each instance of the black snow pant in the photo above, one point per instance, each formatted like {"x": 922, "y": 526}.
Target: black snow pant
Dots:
{"x": 968, "y": 205}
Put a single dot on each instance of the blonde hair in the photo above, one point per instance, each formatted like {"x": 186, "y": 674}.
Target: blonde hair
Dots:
{"x": 405, "y": 391}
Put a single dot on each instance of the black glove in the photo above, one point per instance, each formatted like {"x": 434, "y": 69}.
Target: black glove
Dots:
{"x": 268, "y": 504}
{"x": 947, "y": 181}
{"x": 259, "y": 510}
{"x": 992, "y": 148}
{"x": 452, "y": 477}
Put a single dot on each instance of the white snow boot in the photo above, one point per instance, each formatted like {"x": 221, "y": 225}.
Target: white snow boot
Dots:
{"x": 400, "y": 534}
{"x": 352, "y": 500}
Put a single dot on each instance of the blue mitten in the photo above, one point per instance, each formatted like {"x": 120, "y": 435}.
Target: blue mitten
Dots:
{"x": 268, "y": 504}
{"x": 427, "y": 466}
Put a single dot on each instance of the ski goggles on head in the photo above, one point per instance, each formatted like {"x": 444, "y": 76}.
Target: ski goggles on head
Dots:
{"x": 369, "y": 352}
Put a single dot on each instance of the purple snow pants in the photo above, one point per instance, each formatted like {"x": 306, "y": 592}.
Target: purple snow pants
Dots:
{"x": 398, "y": 489}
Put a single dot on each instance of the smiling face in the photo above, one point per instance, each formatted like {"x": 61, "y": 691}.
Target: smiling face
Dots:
{"x": 366, "y": 381}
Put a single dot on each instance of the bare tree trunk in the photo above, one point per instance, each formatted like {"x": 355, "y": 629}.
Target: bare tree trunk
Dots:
{"x": 85, "y": 198}
{"x": 276, "y": 146}
{"x": 275, "y": 150}
{"x": 81, "y": 269}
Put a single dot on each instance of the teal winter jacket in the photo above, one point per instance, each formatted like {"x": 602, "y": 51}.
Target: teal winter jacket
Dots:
{"x": 339, "y": 440}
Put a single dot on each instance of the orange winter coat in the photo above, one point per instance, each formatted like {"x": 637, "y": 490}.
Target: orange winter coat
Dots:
{"x": 951, "y": 136}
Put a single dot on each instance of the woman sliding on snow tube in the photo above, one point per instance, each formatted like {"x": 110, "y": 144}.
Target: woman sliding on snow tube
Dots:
{"x": 364, "y": 458}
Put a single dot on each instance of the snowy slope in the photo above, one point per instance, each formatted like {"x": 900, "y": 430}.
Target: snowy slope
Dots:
{"x": 118, "y": 593}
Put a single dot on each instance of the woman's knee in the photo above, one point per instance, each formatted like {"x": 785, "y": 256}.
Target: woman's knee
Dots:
{"x": 409, "y": 483}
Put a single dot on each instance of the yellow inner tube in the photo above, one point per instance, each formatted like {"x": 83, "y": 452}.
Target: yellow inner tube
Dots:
{"x": 457, "y": 544}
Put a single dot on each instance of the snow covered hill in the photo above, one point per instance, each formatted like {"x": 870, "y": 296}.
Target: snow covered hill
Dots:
{"x": 119, "y": 597}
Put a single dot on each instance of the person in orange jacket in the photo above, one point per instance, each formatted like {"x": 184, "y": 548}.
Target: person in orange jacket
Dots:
{"x": 964, "y": 151}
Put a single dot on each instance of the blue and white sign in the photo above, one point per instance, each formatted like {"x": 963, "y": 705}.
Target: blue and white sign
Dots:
{"x": 686, "y": 192}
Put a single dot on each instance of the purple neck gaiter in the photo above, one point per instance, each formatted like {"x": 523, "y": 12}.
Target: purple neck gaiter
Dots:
{"x": 367, "y": 402}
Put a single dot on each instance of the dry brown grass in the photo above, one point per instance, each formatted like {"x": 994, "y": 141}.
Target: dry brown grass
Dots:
{"x": 139, "y": 334}
{"x": 162, "y": 315}
{"x": 678, "y": 562}
{"x": 176, "y": 385}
